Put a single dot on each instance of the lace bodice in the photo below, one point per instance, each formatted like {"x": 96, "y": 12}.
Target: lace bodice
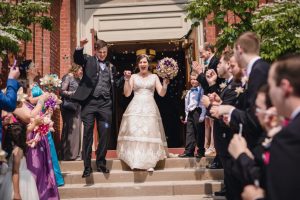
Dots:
{"x": 144, "y": 85}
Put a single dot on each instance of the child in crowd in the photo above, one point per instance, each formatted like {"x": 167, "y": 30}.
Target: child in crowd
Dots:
{"x": 194, "y": 118}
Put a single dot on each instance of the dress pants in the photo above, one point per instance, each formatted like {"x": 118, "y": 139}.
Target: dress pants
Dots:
{"x": 99, "y": 109}
{"x": 233, "y": 185}
{"x": 195, "y": 133}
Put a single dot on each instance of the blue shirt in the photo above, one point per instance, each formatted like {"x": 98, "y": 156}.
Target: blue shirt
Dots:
{"x": 8, "y": 101}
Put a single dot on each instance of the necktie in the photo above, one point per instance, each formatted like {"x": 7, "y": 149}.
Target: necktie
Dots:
{"x": 194, "y": 89}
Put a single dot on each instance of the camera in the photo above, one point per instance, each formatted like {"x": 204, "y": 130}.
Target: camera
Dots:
{"x": 23, "y": 67}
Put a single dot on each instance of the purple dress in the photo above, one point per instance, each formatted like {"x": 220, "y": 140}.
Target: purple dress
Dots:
{"x": 40, "y": 164}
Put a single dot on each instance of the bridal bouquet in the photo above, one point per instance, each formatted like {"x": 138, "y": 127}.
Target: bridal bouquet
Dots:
{"x": 167, "y": 68}
{"x": 50, "y": 82}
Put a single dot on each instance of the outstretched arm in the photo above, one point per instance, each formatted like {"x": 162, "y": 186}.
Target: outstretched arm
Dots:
{"x": 161, "y": 89}
{"x": 128, "y": 85}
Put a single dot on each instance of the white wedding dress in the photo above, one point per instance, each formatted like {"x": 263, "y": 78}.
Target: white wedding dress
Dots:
{"x": 141, "y": 141}
{"x": 27, "y": 184}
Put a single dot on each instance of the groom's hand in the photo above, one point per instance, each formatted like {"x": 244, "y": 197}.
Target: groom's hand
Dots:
{"x": 83, "y": 42}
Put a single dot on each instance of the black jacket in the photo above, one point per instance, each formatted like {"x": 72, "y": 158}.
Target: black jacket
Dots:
{"x": 90, "y": 76}
{"x": 283, "y": 171}
{"x": 252, "y": 130}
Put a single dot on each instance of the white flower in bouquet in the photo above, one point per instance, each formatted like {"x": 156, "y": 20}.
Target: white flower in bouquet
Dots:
{"x": 167, "y": 68}
{"x": 51, "y": 82}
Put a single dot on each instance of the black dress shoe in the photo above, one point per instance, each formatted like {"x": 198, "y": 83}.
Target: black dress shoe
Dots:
{"x": 87, "y": 172}
{"x": 199, "y": 155}
{"x": 185, "y": 155}
{"x": 222, "y": 192}
{"x": 214, "y": 165}
{"x": 102, "y": 169}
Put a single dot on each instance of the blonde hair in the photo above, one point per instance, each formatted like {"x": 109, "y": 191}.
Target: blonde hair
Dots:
{"x": 74, "y": 68}
{"x": 249, "y": 42}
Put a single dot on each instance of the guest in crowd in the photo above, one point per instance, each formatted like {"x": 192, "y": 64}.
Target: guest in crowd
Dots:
{"x": 18, "y": 182}
{"x": 194, "y": 119}
{"x": 70, "y": 111}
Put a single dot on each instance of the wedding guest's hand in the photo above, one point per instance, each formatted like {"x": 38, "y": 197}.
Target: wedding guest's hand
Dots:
{"x": 45, "y": 96}
{"x": 14, "y": 73}
{"x": 205, "y": 101}
{"x": 184, "y": 121}
{"x": 214, "y": 111}
{"x": 224, "y": 109}
{"x": 197, "y": 67}
{"x": 237, "y": 146}
{"x": 127, "y": 75}
{"x": 83, "y": 42}
{"x": 252, "y": 192}
{"x": 215, "y": 99}
{"x": 211, "y": 77}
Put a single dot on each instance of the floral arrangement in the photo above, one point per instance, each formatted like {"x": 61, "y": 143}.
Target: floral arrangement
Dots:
{"x": 223, "y": 86}
{"x": 53, "y": 102}
{"x": 44, "y": 125}
{"x": 239, "y": 90}
{"x": 50, "y": 82}
{"x": 167, "y": 68}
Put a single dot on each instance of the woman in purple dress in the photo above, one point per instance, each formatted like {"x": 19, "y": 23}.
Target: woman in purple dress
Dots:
{"x": 39, "y": 158}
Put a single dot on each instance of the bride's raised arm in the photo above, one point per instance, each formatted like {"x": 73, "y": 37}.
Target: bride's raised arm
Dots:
{"x": 161, "y": 88}
{"x": 128, "y": 85}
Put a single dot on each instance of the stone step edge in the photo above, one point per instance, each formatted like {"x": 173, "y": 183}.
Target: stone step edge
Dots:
{"x": 140, "y": 184}
{"x": 174, "y": 197}
{"x": 168, "y": 170}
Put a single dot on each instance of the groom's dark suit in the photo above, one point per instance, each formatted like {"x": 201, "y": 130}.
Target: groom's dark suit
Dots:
{"x": 96, "y": 95}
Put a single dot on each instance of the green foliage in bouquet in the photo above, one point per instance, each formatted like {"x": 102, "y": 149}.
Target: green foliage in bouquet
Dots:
{"x": 16, "y": 18}
{"x": 278, "y": 25}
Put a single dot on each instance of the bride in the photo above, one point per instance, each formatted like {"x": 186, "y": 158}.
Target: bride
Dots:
{"x": 141, "y": 141}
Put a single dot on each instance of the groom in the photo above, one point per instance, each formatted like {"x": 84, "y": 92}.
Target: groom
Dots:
{"x": 95, "y": 92}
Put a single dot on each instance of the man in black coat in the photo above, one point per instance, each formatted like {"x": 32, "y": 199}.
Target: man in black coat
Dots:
{"x": 207, "y": 53}
{"x": 246, "y": 52}
{"x": 282, "y": 171}
{"x": 222, "y": 133}
{"x": 96, "y": 95}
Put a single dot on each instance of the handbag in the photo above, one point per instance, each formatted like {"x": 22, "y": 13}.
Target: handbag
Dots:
{"x": 69, "y": 105}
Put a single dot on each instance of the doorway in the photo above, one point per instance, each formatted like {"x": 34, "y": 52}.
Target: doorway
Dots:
{"x": 123, "y": 56}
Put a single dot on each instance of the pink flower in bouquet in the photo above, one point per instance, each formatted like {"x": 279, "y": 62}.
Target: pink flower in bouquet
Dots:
{"x": 167, "y": 68}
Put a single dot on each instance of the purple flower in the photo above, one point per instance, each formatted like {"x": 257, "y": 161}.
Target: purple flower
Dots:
{"x": 50, "y": 103}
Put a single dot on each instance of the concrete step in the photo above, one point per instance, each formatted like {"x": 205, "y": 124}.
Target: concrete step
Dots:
{"x": 129, "y": 189}
{"x": 170, "y": 174}
{"x": 115, "y": 164}
{"x": 175, "y": 197}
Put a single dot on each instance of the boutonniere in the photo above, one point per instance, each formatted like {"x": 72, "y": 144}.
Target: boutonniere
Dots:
{"x": 239, "y": 90}
{"x": 222, "y": 86}
{"x": 244, "y": 80}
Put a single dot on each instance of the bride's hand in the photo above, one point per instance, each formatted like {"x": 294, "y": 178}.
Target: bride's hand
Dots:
{"x": 127, "y": 74}
{"x": 166, "y": 81}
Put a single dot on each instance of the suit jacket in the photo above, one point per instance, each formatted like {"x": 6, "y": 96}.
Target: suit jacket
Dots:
{"x": 252, "y": 130}
{"x": 8, "y": 101}
{"x": 91, "y": 75}
{"x": 222, "y": 132}
{"x": 283, "y": 170}
{"x": 201, "y": 77}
